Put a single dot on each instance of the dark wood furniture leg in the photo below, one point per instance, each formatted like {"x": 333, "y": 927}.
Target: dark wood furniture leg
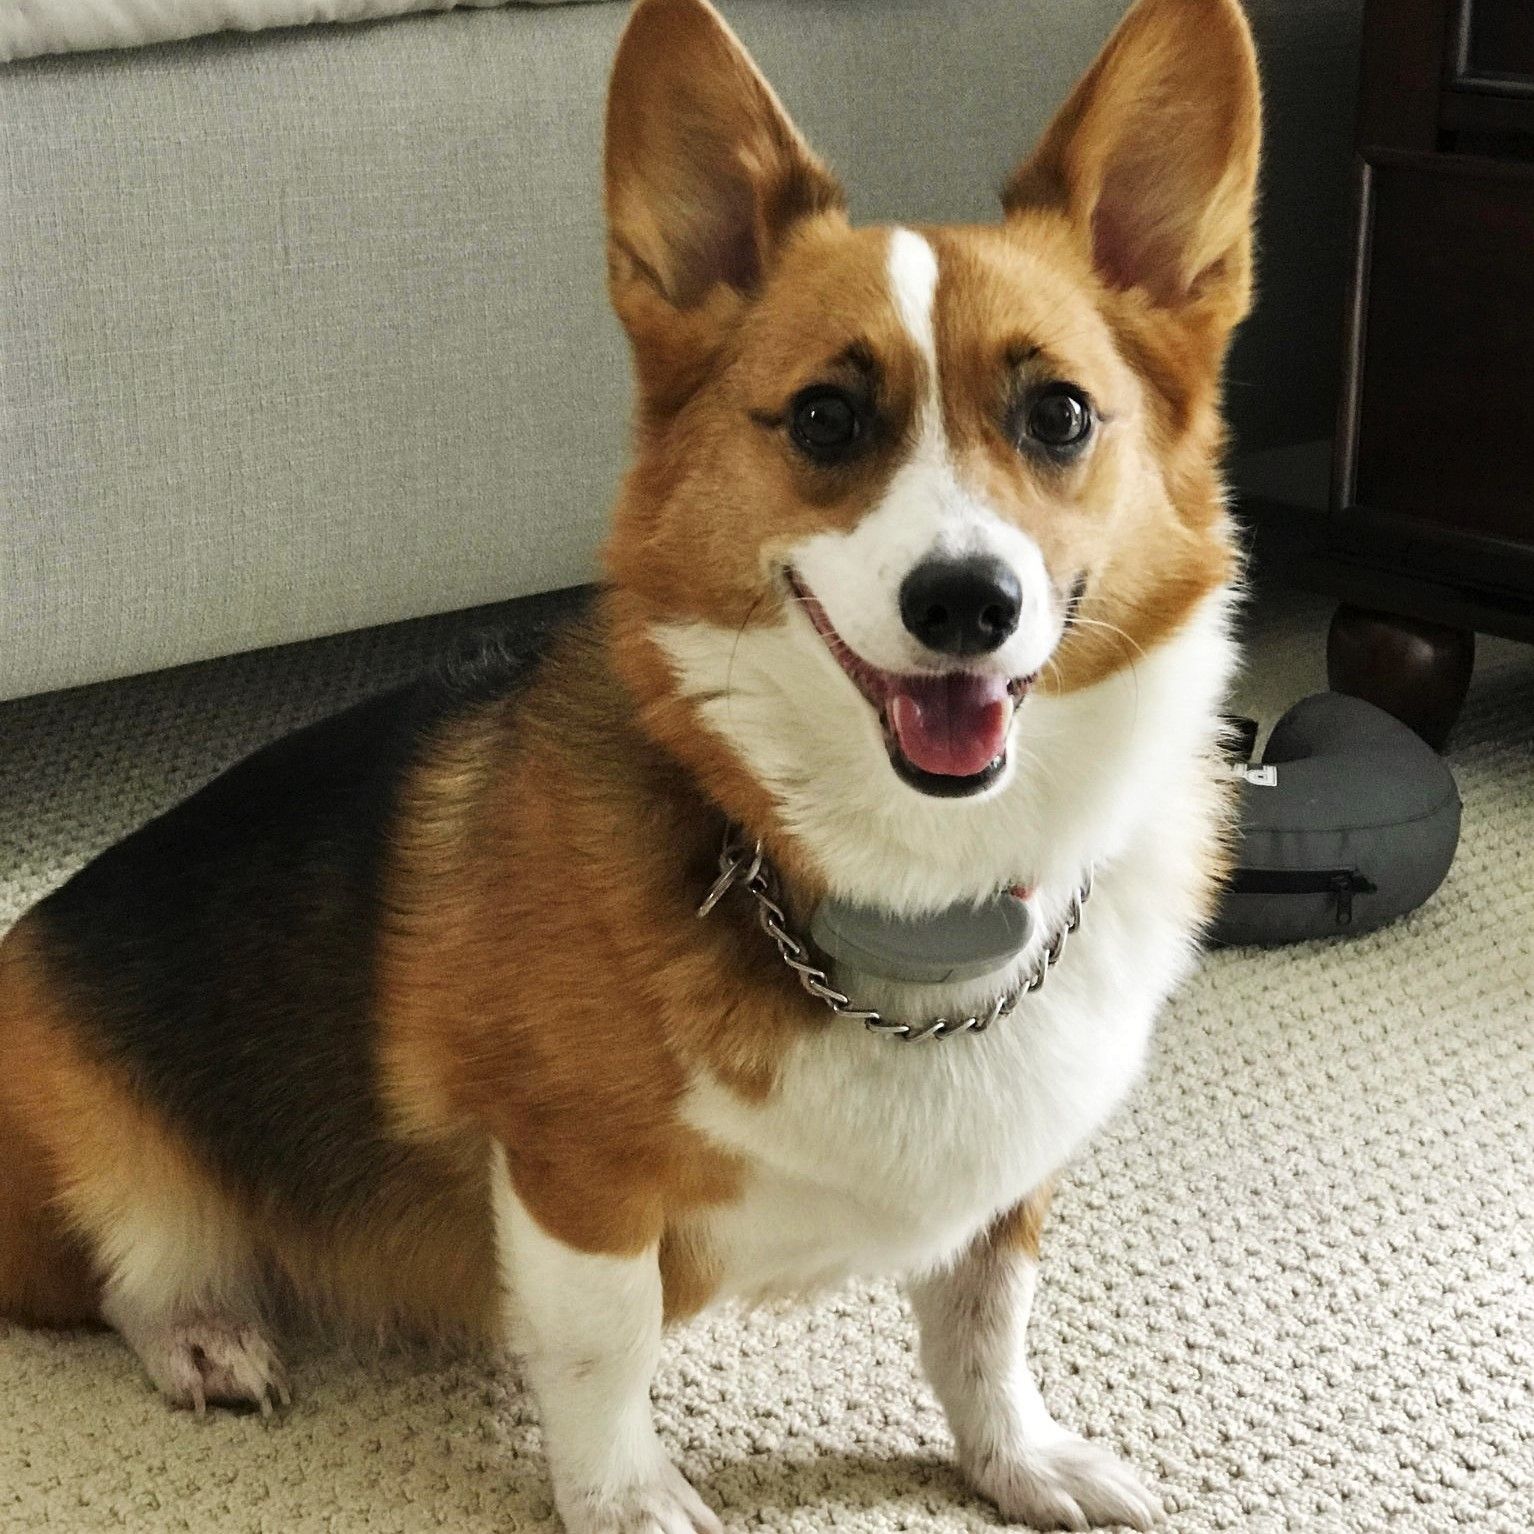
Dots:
{"x": 1420, "y": 672}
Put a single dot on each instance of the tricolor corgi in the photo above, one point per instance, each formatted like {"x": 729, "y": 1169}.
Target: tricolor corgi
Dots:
{"x": 914, "y": 631}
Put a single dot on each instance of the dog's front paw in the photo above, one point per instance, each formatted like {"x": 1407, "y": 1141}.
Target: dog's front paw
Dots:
{"x": 663, "y": 1505}
{"x": 1066, "y": 1484}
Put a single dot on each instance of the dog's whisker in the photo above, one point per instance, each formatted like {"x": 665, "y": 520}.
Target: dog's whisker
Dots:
{"x": 740, "y": 633}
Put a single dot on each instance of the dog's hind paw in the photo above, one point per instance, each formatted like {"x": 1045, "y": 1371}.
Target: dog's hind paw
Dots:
{"x": 1067, "y": 1484}
{"x": 212, "y": 1361}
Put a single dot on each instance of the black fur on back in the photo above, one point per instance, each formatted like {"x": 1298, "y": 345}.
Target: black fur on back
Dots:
{"x": 222, "y": 958}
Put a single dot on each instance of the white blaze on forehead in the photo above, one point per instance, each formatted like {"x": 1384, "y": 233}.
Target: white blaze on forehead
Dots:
{"x": 913, "y": 285}
{"x": 913, "y": 281}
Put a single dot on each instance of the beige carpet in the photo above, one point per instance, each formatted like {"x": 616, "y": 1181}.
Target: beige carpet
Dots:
{"x": 1294, "y": 1281}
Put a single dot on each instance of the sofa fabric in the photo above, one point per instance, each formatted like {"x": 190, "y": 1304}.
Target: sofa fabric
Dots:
{"x": 305, "y": 330}
{"x": 29, "y": 28}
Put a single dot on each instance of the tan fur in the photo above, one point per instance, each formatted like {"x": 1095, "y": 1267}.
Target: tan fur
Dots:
{"x": 46, "y": 1277}
{"x": 1149, "y": 171}
{"x": 101, "y": 1150}
{"x": 1152, "y": 163}
{"x": 1021, "y": 1228}
{"x": 698, "y": 194}
{"x": 494, "y": 1018}
{"x": 689, "y": 1273}
{"x": 420, "y": 1262}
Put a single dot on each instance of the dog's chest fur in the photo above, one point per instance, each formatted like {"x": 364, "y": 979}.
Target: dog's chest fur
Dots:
{"x": 877, "y": 1157}
{"x": 874, "y": 1156}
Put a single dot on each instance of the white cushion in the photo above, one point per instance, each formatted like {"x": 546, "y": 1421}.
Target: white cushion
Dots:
{"x": 32, "y": 27}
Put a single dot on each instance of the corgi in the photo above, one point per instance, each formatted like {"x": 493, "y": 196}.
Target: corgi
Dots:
{"x": 917, "y": 600}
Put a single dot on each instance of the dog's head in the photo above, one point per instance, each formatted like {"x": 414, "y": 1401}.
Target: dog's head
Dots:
{"x": 897, "y": 489}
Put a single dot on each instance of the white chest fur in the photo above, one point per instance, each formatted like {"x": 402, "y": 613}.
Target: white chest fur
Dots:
{"x": 875, "y": 1157}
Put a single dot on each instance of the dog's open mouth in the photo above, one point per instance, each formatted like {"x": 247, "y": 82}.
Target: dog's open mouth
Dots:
{"x": 946, "y": 731}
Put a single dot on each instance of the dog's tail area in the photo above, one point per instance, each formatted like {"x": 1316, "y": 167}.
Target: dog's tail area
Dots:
{"x": 46, "y": 1275}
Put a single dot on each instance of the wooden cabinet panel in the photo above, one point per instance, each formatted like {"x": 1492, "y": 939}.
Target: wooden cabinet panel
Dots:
{"x": 1444, "y": 381}
{"x": 1497, "y": 38}
{"x": 1432, "y": 495}
{"x": 1403, "y": 72}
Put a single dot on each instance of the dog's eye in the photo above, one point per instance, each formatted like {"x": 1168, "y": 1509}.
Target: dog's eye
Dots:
{"x": 1059, "y": 419}
{"x": 824, "y": 423}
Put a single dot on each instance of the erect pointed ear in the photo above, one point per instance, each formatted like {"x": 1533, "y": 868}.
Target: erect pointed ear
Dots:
{"x": 705, "y": 171}
{"x": 1154, "y": 157}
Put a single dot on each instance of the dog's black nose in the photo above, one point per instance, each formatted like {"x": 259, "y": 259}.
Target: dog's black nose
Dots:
{"x": 961, "y": 606}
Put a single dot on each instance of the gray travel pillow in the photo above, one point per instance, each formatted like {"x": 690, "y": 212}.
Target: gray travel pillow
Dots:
{"x": 1349, "y": 821}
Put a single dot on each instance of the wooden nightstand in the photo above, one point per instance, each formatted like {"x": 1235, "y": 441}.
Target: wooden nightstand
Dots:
{"x": 1429, "y": 533}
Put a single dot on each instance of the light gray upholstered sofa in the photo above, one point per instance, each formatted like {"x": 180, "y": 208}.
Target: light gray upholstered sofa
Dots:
{"x": 304, "y": 330}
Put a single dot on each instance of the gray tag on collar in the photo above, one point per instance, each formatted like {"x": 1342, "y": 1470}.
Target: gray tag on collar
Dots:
{"x": 965, "y": 942}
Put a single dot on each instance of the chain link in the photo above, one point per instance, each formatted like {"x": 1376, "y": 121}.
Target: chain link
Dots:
{"x": 748, "y": 867}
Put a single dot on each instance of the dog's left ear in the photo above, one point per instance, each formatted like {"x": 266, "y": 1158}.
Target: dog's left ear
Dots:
{"x": 705, "y": 175}
{"x": 1153, "y": 160}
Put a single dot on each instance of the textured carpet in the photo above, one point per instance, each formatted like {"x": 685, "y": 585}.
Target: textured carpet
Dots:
{"x": 1294, "y": 1280}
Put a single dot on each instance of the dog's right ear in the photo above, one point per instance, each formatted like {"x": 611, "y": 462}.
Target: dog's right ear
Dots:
{"x": 705, "y": 174}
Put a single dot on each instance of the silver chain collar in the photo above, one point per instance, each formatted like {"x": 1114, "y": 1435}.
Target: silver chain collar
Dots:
{"x": 748, "y": 867}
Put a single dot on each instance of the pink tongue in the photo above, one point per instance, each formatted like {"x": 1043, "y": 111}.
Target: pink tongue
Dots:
{"x": 955, "y": 725}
